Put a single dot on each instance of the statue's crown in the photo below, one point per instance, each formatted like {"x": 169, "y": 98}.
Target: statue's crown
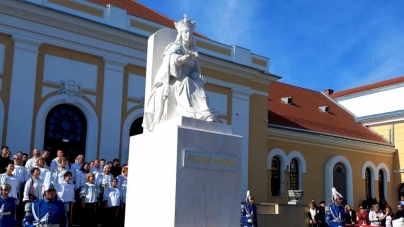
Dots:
{"x": 185, "y": 23}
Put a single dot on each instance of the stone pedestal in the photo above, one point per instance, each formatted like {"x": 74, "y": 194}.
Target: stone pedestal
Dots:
{"x": 294, "y": 196}
{"x": 185, "y": 173}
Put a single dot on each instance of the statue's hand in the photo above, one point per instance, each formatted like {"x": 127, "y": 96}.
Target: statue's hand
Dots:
{"x": 184, "y": 58}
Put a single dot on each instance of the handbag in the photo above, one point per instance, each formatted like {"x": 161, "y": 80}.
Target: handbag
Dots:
{"x": 32, "y": 197}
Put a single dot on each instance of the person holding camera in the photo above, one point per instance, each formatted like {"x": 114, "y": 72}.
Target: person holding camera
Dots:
{"x": 376, "y": 216}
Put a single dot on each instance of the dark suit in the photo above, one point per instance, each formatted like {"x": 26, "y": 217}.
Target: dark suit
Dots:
{"x": 349, "y": 218}
{"x": 399, "y": 214}
{"x": 320, "y": 217}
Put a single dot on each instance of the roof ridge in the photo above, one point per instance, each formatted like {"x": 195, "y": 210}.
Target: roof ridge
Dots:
{"x": 367, "y": 87}
{"x": 152, "y": 10}
{"x": 336, "y": 128}
{"x": 291, "y": 85}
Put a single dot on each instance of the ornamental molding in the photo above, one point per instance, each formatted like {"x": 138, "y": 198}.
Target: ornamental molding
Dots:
{"x": 235, "y": 69}
{"x": 71, "y": 89}
{"x": 72, "y": 24}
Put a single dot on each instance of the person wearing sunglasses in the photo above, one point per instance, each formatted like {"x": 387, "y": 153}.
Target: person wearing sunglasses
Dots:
{"x": 362, "y": 216}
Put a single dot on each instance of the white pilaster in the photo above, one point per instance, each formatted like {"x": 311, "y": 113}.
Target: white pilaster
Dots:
{"x": 22, "y": 91}
{"x": 111, "y": 109}
{"x": 240, "y": 122}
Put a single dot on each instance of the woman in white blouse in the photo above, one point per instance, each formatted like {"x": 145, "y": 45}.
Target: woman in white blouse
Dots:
{"x": 376, "y": 216}
{"x": 112, "y": 200}
{"x": 60, "y": 170}
{"x": 9, "y": 178}
{"x": 40, "y": 164}
{"x": 81, "y": 175}
{"x": 388, "y": 217}
{"x": 33, "y": 187}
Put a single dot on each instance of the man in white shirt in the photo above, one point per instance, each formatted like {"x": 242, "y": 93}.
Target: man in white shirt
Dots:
{"x": 32, "y": 161}
{"x": 96, "y": 169}
{"x": 76, "y": 166}
{"x": 55, "y": 161}
{"x": 45, "y": 156}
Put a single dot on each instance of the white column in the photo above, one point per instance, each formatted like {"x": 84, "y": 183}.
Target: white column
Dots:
{"x": 22, "y": 93}
{"x": 240, "y": 121}
{"x": 111, "y": 109}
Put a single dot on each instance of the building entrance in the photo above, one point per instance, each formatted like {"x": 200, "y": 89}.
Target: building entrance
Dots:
{"x": 65, "y": 129}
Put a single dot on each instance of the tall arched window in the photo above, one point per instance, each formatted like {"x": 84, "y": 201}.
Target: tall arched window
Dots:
{"x": 136, "y": 127}
{"x": 275, "y": 176}
{"x": 65, "y": 129}
{"x": 294, "y": 175}
{"x": 381, "y": 184}
{"x": 368, "y": 183}
{"x": 339, "y": 180}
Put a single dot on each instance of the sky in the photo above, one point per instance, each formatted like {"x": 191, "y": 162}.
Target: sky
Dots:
{"x": 315, "y": 44}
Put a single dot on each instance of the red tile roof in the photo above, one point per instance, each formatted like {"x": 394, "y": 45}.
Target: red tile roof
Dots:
{"x": 368, "y": 87}
{"x": 305, "y": 114}
{"x": 138, "y": 10}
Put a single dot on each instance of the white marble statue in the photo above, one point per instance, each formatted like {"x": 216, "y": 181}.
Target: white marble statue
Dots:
{"x": 179, "y": 76}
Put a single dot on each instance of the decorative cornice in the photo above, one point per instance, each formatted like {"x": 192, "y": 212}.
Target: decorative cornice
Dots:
{"x": 73, "y": 24}
{"x": 381, "y": 116}
{"x": 26, "y": 43}
{"x": 235, "y": 69}
{"x": 233, "y": 85}
{"x": 241, "y": 93}
{"x": 114, "y": 64}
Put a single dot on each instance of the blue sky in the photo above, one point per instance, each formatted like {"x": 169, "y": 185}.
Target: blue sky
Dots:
{"x": 315, "y": 44}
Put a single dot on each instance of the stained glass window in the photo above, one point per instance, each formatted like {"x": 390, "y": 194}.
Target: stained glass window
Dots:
{"x": 294, "y": 175}
{"x": 368, "y": 183}
{"x": 275, "y": 176}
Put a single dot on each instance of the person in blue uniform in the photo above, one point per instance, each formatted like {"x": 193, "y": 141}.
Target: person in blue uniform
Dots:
{"x": 334, "y": 212}
{"x": 48, "y": 211}
{"x": 249, "y": 212}
{"x": 7, "y": 207}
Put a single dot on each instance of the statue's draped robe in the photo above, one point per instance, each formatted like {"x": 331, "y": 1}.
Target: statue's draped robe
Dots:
{"x": 184, "y": 81}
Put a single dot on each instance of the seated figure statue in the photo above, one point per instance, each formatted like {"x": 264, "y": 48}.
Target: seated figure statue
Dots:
{"x": 180, "y": 77}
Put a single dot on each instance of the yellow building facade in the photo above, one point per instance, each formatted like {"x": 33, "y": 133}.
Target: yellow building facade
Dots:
{"x": 72, "y": 77}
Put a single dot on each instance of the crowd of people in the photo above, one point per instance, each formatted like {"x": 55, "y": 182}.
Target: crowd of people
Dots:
{"x": 76, "y": 193}
{"x": 369, "y": 213}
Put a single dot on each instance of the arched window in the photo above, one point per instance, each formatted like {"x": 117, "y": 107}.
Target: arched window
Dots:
{"x": 275, "y": 176}
{"x": 136, "y": 127}
{"x": 294, "y": 175}
{"x": 339, "y": 180}
{"x": 368, "y": 183}
{"x": 65, "y": 129}
{"x": 381, "y": 184}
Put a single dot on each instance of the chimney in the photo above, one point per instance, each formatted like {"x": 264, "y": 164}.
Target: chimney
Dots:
{"x": 328, "y": 91}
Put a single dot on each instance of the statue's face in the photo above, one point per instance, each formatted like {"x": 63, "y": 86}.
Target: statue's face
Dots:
{"x": 186, "y": 35}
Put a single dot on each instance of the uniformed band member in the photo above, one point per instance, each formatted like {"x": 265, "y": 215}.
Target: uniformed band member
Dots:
{"x": 48, "y": 211}
{"x": 334, "y": 212}
{"x": 249, "y": 212}
{"x": 7, "y": 207}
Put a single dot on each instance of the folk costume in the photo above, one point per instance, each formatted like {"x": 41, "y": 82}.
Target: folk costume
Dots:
{"x": 249, "y": 213}
{"x": 7, "y": 209}
{"x": 89, "y": 194}
{"x": 46, "y": 212}
{"x": 334, "y": 213}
